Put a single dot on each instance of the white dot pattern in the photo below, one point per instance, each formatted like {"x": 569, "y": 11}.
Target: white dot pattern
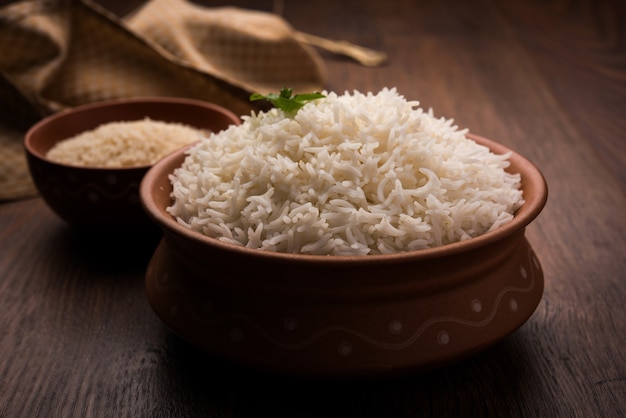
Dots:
{"x": 443, "y": 338}
{"x": 395, "y": 327}
{"x": 290, "y": 323}
{"x": 476, "y": 305}
{"x": 345, "y": 349}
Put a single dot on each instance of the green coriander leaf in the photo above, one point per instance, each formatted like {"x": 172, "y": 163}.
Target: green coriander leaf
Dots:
{"x": 286, "y": 92}
{"x": 257, "y": 96}
{"x": 307, "y": 97}
{"x": 287, "y": 105}
{"x": 286, "y": 101}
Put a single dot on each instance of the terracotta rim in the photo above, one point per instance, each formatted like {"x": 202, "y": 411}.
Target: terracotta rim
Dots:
{"x": 32, "y": 149}
{"x": 532, "y": 180}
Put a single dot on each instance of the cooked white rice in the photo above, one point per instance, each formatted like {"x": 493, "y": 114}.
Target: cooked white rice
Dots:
{"x": 124, "y": 143}
{"x": 350, "y": 174}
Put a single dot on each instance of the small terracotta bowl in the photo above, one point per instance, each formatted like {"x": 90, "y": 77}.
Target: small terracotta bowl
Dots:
{"x": 344, "y": 316}
{"x": 106, "y": 199}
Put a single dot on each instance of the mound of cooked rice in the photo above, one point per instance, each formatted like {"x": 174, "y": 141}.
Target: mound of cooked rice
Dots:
{"x": 350, "y": 174}
{"x": 124, "y": 143}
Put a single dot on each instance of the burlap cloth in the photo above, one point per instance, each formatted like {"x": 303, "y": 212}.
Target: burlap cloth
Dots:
{"x": 64, "y": 53}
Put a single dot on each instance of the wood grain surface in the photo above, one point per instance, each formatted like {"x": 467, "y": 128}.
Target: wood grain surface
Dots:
{"x": 548, "y": 79}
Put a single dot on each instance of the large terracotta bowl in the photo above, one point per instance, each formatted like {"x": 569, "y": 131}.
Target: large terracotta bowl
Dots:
{"x": 106, "y": 199}
{"x": 344, "y": 315}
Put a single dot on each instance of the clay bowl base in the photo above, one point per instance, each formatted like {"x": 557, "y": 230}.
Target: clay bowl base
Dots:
{"x": 369, "y": 337}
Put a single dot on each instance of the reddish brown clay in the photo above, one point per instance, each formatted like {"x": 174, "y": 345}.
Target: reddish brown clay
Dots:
{"x": 344, "y": 316}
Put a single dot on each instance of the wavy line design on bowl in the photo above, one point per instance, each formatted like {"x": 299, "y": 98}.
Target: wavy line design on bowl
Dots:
{"x": 165, "y": 283}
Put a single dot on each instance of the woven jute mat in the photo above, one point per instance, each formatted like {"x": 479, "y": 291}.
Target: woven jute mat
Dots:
{"x": 63, "y": 53}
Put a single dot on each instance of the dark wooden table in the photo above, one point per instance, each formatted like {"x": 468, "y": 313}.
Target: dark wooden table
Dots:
{"x": 548, "y": 79}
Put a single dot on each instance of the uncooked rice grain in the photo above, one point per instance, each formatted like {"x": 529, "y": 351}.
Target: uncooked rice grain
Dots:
{"x": 350, "y": 174}
{"x": 124, "y": 143}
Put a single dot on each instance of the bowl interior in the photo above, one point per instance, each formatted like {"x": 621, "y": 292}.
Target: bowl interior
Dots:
{"x": 106, "y": 198}
{"x": 45, "y": 134}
